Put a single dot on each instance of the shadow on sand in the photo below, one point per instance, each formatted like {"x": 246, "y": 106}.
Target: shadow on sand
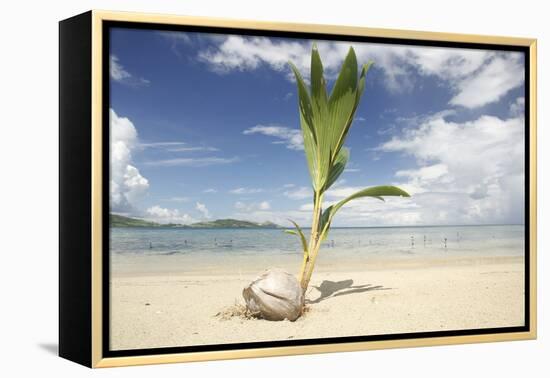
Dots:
{"x": 329, "y": 289}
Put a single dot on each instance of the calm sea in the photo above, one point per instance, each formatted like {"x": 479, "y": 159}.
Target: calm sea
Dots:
{"x": 186, "y": 247}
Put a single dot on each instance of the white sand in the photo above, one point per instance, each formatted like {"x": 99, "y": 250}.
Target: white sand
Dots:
{"x": 171, "y": 309}
{"x": 178, "y": 309}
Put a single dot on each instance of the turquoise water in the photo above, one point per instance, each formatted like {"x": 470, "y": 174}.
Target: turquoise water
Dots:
{"x": 501, "y": 240}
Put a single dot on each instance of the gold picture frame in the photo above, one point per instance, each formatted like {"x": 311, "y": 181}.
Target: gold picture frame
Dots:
{"x": 89, "y": 329}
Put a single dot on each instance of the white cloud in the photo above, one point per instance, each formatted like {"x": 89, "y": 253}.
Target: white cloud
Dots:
{"x": 163, "y": 215}
{"x": 299, "y": 193}
{"x": 178, "y": 199}
{"x": 246, "y": 53}
{"x": 191, "y": 162}
{"x": 373, "y": 212}
{"x": 243, "y": 190}
{"x": 161, "y": 144}
{"x": 180, "y": 41}
{"x": 460, "y": 173}
{"x": 175, "y": 37}
{"x": 462, "y": 70}
{"x": 252, "y": 206}
{"x": 471, "y": 172}
{"x": 201, "y": 207}
{"x": 240, "y": 205}
{"x": 119, "y": 74}
{"x": 493, "y": 81}
{"x": 419, "y": 180}
{"x": 193, "y": 149}
{"x": 177, "y": 147}
{"x": 309, "y": 206}
{"x": 447, "y": 62}
{"x": 291, "y": 138}
{"x": 252, "y": 212}
{"x": 264, "y": 205}
{"x": 351, "y": 167}
{"x": 127, "y": 185}
{"x": 517, "y": 108}
{"x": 337, "y": 193}
{"x": 210, "y": 190}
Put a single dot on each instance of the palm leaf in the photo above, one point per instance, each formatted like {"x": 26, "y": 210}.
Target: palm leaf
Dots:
{"x": 310, "y": 149}
{"x": 325, "y": 122}
{"x": 338, "y": 167}
{"x": 300, "y": 234}
{"x": 342, "y": 101}
{"x": 320, "y": 114}
{"x": 358, "y": 94}
{"x": 324, "y": 224}
{"x": 320, "y": 117}
{"x": 308, "y": 129}
{"x": 318, "y": 83}
{"x": 376, "y": 192}
{"x": 304, "y": 100}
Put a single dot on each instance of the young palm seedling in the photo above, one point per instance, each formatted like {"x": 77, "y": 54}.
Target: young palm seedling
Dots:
{"x": 325, "y": 121}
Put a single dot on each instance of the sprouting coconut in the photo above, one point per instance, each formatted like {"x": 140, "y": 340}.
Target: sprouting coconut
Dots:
{"x": 325, "y": 122}
{"x": 275, "y": 295}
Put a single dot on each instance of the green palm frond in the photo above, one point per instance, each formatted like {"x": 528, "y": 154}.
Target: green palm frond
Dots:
{"x": 342, "y": 101}
{"x": 377, "y": 192}
{"x": 338, "y": 167}
{"x": 308, "y": 130}
{"x": 325, "y": 122}
{"x": 300, "y": 234}
{"x": 358, "y": 94}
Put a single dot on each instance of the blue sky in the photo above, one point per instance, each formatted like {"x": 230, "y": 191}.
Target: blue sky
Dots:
{"x": 206, "y": 126}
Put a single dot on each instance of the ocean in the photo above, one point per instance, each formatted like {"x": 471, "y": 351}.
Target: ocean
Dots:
{"x": 202, "y": 250}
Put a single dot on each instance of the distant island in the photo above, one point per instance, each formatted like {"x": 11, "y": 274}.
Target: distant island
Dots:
{"x": 122, "y": 221}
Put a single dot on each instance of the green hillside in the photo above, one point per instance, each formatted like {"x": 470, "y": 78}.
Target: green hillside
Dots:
{"x": 232, "y": 223}
{"x": 122, "y": 221}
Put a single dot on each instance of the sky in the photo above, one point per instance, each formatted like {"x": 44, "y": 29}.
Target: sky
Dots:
{"x": 206, "y": 126}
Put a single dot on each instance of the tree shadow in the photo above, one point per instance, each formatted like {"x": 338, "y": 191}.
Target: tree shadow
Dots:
{"x": 329, "y": 289}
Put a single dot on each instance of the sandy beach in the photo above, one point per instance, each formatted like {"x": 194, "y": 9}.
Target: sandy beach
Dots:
{"x": 154, "y": 308}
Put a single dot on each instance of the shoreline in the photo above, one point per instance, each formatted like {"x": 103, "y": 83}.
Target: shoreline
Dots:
{"x": 158, "y": 265}
{"x": 159, "y": 309}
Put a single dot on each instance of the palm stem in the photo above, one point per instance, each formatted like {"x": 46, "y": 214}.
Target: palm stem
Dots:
{"x": 305, "y": 262}
{"x": 325, "y": 122}
{"x": 309, "y": 261}
{"x": 313, "y": 257}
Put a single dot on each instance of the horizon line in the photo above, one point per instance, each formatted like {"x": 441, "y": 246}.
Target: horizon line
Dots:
{"x": 434, "y": 225}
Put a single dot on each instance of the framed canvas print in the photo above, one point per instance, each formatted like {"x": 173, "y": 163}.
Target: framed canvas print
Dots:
{"x": 236, "y": 189}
